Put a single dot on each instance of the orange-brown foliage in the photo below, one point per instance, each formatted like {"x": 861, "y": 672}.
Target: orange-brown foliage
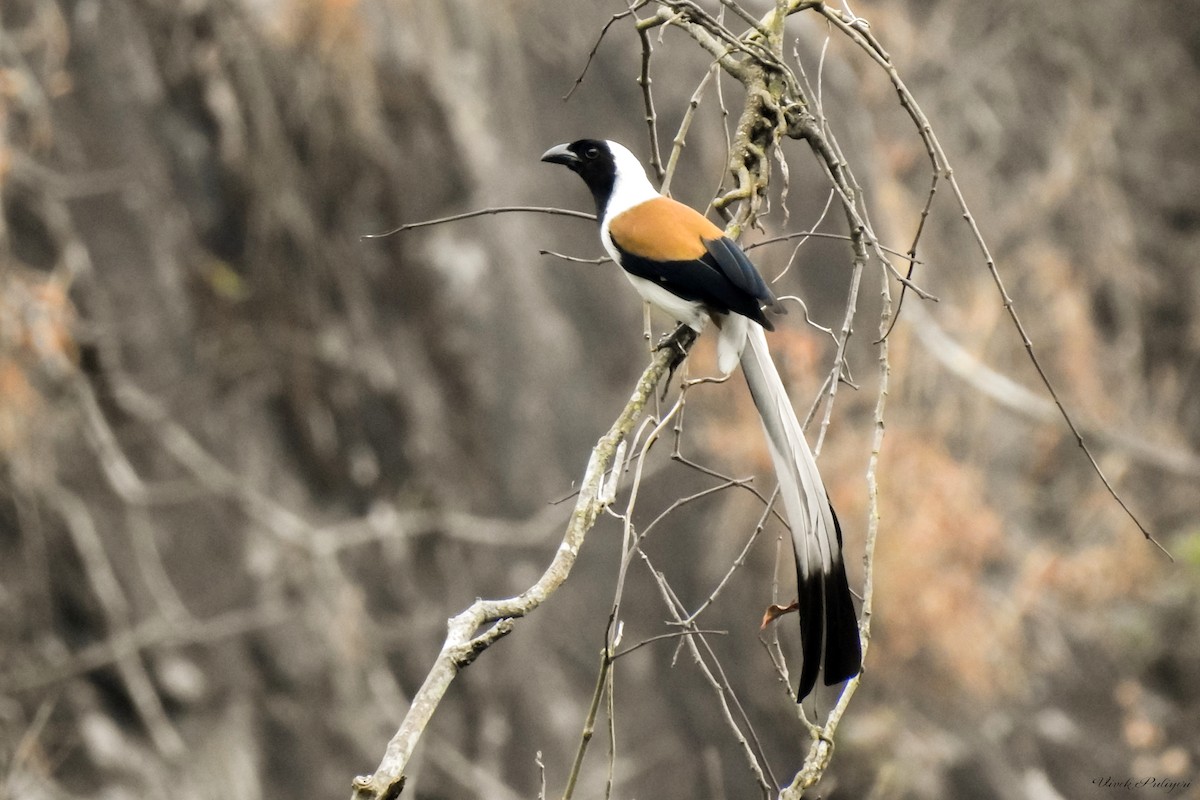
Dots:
{"x": 937, "y": 613}
{"x": 35, "y": 344}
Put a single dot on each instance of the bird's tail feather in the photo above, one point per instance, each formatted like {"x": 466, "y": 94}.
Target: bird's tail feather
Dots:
{"x": 732, "y": 341}
{"x": 827, "y": 620}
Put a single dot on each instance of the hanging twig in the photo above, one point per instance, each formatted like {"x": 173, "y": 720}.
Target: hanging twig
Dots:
{"x": 941, "y": 166}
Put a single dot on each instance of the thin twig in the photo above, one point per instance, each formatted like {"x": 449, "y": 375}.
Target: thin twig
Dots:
{"x": 672, "y": 635}
{"x": 780, "y": 102}
{"x": 715, "y": 679}
{"x": 746, "y": 17}
{"x": 808, "y": 320}
{"x": 589, "y": 723}
{"x": 541, "y": 765}
{"x": 611, "y": 713}
{"x": 738, "y": 561}
{"x": 941, "y": 165}
{"x": 562, "y": 212}
{"x": 803, "y": 238}
{"x": 651, "y": 116}
{"x": 823, "y": 235}
{"x": 733, "y": 482}
{"x": 463, "y": 644}
{"x": 912, "y": 250}
{"x": 575, "y": 259}
{"x": 630, "y": 538}
{"x": 821, "y": 750}
{"x": 595, "y": 47}
{"x": 680, "y": 140}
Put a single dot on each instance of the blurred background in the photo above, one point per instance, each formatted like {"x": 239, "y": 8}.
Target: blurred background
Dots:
{"x": 250, "y": 463}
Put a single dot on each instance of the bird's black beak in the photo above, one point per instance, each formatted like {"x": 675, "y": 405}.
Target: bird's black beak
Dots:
{"x": 560, "y": 154}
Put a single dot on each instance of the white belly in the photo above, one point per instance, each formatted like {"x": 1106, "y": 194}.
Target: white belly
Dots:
{"x": 686, "y": 311}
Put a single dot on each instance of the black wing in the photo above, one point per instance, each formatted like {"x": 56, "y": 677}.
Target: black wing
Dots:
{"x": 723, "y": 279}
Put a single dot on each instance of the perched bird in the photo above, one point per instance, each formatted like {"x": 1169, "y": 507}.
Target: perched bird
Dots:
{"x": 683, "y": 264}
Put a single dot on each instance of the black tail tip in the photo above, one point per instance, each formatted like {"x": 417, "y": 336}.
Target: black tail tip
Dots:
{"x": 828, "y": 628}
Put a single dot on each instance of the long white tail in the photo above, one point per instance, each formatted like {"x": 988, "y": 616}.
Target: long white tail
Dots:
{"x": 827, "y": 620}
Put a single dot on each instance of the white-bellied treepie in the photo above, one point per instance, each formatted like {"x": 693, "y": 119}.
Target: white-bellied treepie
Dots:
{"x": 682, "y": 263}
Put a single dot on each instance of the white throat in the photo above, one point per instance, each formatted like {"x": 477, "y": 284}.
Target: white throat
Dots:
{"x": 631, "y": 187}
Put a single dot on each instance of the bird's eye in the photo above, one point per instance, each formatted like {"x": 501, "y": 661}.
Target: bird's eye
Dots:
{"x": 591, "y": 152}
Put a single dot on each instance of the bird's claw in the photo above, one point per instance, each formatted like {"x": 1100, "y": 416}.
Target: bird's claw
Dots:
{"x": 670, "y": 341}
{"x": 673, "y": 341}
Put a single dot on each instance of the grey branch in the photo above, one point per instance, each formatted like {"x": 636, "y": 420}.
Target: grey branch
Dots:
{"x": 464, "y": 643}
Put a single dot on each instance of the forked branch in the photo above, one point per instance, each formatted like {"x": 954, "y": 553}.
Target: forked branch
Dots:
{"x": 464, "y": 639}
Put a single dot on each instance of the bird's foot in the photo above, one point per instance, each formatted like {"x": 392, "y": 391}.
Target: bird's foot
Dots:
{"x": 671, "y": 341}
{"x": 678, "y": 342}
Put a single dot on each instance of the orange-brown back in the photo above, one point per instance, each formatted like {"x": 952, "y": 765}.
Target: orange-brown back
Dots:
{"x": 663, "y": 229}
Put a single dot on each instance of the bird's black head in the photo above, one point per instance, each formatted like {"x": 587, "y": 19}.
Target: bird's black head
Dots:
{"x": 592, "y": 160}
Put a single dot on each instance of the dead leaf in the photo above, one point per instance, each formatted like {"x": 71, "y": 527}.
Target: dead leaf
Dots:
{"x": 774, "y": 612}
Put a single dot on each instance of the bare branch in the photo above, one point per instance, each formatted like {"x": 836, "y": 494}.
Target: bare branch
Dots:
{"x": 592, "y": 53}
{"x": 821, "y": 750}
{"x": 589, "y": 724}
{"x": 680, "y": 140}
{"x": 663, "y": 636}
{"x": 716, "y": 678}
{"x": 1016, "y": 398}
{"x": 575, "y": 259}
{"x": 738, "y": 561}
{"x": 941, "y": 165}
{"x": 651, "y": 116}
{"x": 482, "y": 212}
{"x": 462, "y": 645}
